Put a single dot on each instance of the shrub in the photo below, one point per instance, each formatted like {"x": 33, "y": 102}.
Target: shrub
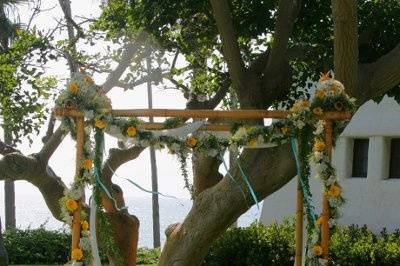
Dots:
{"x": 353, "y": 245}
{"x": 254, "y": 245}
{"x": 148, "y": 256}
{"x": 274, "y": 245}
{"x": 37, "y": 246}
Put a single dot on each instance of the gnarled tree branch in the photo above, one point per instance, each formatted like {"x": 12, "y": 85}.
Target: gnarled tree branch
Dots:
{"x": 224, "y": 20}
{"x": 379, "y": 77}
{"x": 125, "y": 61}
{"x": 17, "y": 166}
{"x": 51, "y": 145}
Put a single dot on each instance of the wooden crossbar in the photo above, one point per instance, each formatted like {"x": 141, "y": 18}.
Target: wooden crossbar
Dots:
{"x": 212, "y": 114}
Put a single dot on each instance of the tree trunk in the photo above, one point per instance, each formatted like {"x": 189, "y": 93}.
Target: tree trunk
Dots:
{"x": 153, "y": 163}
{"x": 9, "y": 202}
{"x": 344, "y": 14}
{"x": 9, "y": 194}
{"x": 218, "y": 207}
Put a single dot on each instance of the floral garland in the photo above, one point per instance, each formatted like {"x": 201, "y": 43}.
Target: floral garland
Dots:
{"x": 303, "y": 123}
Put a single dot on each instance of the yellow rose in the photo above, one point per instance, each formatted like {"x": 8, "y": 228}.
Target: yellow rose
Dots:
{"x": 88, "y": 79}
{"x": 252, "y": 143}
{"x": 71, "y": 205}
{"x": 334, "y": 191}
{"x": 131, "y": 132}
{"x": 100, "y": 124}
{"x": 77, "y": 254}
{"x": 317, "y": 250}
{"x": 85, "y": 226}
{"x": 320, "y": 94}
{"x": 305, "y": 103}
{"x": 284, "y": 130}
{"x": 87, "y": 164}
{"x": 73, "y": 87}
{"x": 191, "y": 142}
{"x": 318, "y": 111}
{"x": 319, "y": 220}
{"x": 319, "y": 145}
{"x": 333, "y": 89}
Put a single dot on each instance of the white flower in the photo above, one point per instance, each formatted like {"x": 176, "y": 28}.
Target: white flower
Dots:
{"x": 89, "y": 114}
{"x": 323, "y": 261}
{"x": 85, "y": 243}
{"x": 67, "y": 219}
{"x": 74, "y": 192}
{"x": 87, "y": 175}
{"x": 310, "y": 253}
{"x": 320, "y": 167}
{"x": 201, "y": 97}
{"x": 212, "y": 152}
{"x": 88, "y": 146}
{"x": 175, "y": 147}
{"x": 300, "y": 124}
{"x": 240, "y": 133}
{"x": 332, "y": 222}
{"x": 144, "y": 143}
{"x": 331, "y": 180}
{"x": 318, "y": 156}
{"x": 319, "y": 127}
{"x": 333, "y": 202}
{"x": 113, "y": 130}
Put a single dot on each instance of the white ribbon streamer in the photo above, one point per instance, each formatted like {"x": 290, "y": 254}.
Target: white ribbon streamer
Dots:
{"x": 93, "y": 237}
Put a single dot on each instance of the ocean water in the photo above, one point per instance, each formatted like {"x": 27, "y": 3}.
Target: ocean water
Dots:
{"x": 32, "y": 213}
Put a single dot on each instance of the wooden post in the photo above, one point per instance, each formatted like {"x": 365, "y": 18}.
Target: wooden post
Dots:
{"x": 325, "y": 203}
{"x": 299, "y": 225}
{"x": 76, "y": 222}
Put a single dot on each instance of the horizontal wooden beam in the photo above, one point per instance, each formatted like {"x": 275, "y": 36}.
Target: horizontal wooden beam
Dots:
{"x": 213, "y": 114}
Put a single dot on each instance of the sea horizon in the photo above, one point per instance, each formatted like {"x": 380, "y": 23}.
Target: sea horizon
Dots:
{"x": 34, "y": 214}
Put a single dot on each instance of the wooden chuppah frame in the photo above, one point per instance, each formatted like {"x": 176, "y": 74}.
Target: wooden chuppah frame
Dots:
{"x": 328, "y": 117}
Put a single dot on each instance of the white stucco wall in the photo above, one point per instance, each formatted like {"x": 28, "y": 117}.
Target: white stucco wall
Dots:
{"x": 375, "y": 200}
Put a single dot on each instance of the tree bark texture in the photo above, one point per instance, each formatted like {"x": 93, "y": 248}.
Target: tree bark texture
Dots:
{"x": 9, "y": 194}
{"x": 346, "y": 44}
{"x": 219, "y": 206}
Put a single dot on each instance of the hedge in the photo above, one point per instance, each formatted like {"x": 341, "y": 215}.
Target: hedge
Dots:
{"x": 40, "y": 246}
{"x": 255, "y": 245}
{"x": 274, "y": 245}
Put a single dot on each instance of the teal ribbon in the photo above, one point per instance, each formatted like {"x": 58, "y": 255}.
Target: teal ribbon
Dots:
{"x": 140, "y": 187}
{"x": 229, "y": 174}
{"x": 98, "y": 158}
{"x": 246, "y": 180}
{"x": 306, "y": 195}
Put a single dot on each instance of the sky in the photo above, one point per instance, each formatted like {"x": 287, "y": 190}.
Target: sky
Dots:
{"x": 62, "y": 162}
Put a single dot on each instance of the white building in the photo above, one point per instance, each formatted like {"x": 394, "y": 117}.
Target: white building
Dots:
{"x": 367, "y": 160}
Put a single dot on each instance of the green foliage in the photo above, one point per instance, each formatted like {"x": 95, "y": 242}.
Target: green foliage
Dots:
{"x": 37, "y": 246}
{"x": 23, "y": 87}
{"x": 40, "y": 246}
{"x": 274, "y": 245}
{"x": 251, "y": 246}
{"x": 188, "y": 26}
{"x": 351, "y": 246}
{"x": 148, "y": 256}
{"x": 254, "y": 245}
